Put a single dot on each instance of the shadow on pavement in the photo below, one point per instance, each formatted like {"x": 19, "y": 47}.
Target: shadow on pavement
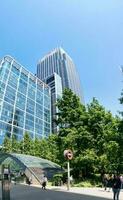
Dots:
{"x": 21, "y": 192}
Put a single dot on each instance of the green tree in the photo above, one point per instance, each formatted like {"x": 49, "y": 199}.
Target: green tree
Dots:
{"x": 73, "y": 134}
{"x": 28, "y": 147}
{"x": 37, "y": 147}
{"x": 103, "y": 128}
{"x": 15, "y": 145}
{"x": 7, "y": 145}
{"x": 89, "y": 131}
{"x": 53, "y": 148}
{"x": 120, "y": 135}
{"x": 44, "y": 148}
{"x": 119, "y": 140}
{"x": 70, "y": 111}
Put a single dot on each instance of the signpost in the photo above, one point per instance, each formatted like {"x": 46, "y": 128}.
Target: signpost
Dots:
{"x": 68, "y": 154}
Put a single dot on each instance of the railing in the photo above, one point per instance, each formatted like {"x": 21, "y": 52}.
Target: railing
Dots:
{"x": 30, "y": 171}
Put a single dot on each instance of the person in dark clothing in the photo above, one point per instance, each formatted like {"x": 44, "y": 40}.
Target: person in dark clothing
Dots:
{"x": 116, "y": 186}
{"x": 109, "y": 184}
{"x": 105, "y": 181}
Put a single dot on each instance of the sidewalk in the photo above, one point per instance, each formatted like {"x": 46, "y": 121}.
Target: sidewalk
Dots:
{"x": 98, "y": 192}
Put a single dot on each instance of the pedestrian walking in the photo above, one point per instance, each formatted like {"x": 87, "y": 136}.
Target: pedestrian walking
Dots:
{"x": 121, "y": 178}
{"x": 116, "y": 186}
{"x": 44, "y": 182}
{"x": 30, "y": 180}
{"x": 105, "y": 181}
{"x": 109, "y": 184}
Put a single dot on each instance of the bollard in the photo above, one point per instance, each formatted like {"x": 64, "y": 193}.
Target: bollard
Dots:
{"x": 5, "y": 183}
{"x": 5, "y": 190}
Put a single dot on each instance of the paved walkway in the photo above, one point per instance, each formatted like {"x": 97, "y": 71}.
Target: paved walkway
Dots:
{"x": 97, "y": 192}
{"x": 24, "y": 192}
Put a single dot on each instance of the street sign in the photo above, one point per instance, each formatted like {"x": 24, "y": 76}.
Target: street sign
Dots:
{"x": 68, "y": 154}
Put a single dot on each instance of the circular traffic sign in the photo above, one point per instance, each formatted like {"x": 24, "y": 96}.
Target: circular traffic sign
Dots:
{"x": 68, "y": 154}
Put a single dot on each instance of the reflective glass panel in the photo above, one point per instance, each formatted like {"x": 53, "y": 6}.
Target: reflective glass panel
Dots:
{"x": 20, "y": 101}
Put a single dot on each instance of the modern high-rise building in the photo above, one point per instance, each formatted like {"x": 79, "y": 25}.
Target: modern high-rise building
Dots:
{"x": 25, "y": 102}
{"x": 54, "y": 81}
{"x": 59, "y": 62}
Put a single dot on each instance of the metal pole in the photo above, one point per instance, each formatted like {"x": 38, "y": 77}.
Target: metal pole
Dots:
{"x": 68, "y": 177}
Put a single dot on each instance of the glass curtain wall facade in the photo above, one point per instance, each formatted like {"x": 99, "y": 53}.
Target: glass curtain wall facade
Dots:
{"x": 60, "y": 62}
{"x": 54, "y": 81}
{"x": 25, "y": 102}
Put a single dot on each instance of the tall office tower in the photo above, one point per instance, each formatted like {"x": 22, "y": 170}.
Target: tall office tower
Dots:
{"x": 25, "y": 102}
{"x": 60, "y": 62}
{"x": 54, "y": 81}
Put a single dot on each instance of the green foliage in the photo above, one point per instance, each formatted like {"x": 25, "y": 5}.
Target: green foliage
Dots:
{"x": 7, "y": 145}
{"x": 93, "y": 181}
{"x": 57, "y": 179}
{"x": 91, "y": 132}
{"x": 84, "y": 184}
{"x": 27, "y": 144}
{"x": 45, "y": 148}
{"x": 70, "y": 111}
{"x": 14, "y": 144}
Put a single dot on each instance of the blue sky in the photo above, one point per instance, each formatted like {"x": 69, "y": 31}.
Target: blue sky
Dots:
{"x": 90, "y": 31}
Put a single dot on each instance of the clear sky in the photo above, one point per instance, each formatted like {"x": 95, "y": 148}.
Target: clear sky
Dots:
{"x": 91, "y": 31}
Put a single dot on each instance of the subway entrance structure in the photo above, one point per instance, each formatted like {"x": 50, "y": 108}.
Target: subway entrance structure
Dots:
{"x": 29, "y": 166}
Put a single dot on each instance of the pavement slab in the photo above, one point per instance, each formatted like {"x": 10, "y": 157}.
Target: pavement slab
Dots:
{"x": 24, "y": 192}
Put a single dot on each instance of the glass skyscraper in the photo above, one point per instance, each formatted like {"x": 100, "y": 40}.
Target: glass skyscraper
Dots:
{"x": 60, "y": 62}
{"x": 25, "y": 102}
{"x": 54, "y": 81}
